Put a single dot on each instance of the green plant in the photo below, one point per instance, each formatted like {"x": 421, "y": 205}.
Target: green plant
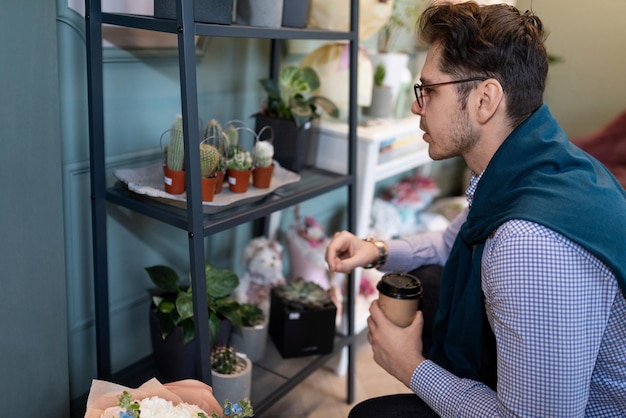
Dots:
{"x": 224, "y": 359}
{"x": 379, "y": 74}
{"x": 240, "y": 159}
{"x": 209, "y": 160}
{"x": 175, "y": 149}
{"x": 263, "y": 152}
{"x": 291, "y": 96}
{"x": 300, "y": 294}
{"x": 174, "y": 304}
{"x": 251, "y": 315}
{"x": 403, "y": 18}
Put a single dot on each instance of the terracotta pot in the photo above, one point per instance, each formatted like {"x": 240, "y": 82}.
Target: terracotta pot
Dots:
{"x": 174, "y": 181}
{"x": 219, "y": 184}
{"x": 262, "y": 176}
{"x": 238, "y": 181}
{"x": 208, "y": 188}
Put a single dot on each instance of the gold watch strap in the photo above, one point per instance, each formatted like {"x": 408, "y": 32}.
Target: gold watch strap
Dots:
{"x": 382, "y": 252}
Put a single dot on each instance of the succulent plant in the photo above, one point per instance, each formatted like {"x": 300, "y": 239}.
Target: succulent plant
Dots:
{"x": 251, "y": 315}
{"x": 240, "y": 159}
{"x": 263, "y": 153}
{"x": 379, "y": 74}
{"x": 300, "y": 294}
{"x": 224, "y": 359}
{"x": 209, "y": 159}
{"x": 175, "y": 151}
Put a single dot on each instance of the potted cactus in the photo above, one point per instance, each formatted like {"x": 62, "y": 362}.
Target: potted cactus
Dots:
{"x": 382, "y": 95}
{"x": 209, "y": 162}
{"x": 173, "y": 170}
{"x": 302, "y": 318}
{"x": 231, "y": 374}
{"x": 262, "y": 154}
{"x": 216, "y": 136}
{"x": 290, "y": 109}
{"x": 239, "y": 166}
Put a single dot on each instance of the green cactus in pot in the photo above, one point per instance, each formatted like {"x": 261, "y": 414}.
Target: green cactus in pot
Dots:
{"x": 209, "y": 159}
{"x": 175, "y": 150}
{"x": 240, "y": 159}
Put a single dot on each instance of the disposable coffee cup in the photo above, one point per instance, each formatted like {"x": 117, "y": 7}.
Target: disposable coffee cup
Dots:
{"x": 399, "y": 297}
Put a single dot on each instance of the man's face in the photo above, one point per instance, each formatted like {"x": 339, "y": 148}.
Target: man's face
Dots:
{"x": 448, "y": 127}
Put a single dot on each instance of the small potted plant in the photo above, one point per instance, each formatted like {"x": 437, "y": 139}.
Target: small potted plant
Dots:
{"x": 382, "y": 95}
{"x": 289, "y": 109}
{"x": 216, "y": 136}
{"x": 173, "y": 170}
{"x": 239, "y": 165}
{"x": 251, "y": 337}
{"x": 302, "y": 318}
{"x": 231, "y": 374}
{"x": 262, "y": 154}
{"x": 209, "y": 163}
{"x": 171, "y": 317}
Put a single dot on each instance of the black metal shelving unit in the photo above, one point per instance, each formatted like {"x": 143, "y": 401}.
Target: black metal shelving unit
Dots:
{"x": 276, "y": 375}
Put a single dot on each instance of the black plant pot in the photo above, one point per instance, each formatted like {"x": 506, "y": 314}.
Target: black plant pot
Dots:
{"x": 294, "y": 147}
{"x": 173, "y": 359}
{"x": 296, "y": 13}
{"x": 298, "y": 333}
{"x": 206, "y": 11}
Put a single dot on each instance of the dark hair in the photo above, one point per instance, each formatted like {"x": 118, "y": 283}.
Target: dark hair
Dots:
{"x": 491, "y": 41}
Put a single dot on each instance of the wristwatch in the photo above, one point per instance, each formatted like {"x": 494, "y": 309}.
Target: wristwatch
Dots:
{"x": 382, "y": 253}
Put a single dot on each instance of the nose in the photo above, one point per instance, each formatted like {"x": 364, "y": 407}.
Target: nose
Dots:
{"x": 415, "y": 109}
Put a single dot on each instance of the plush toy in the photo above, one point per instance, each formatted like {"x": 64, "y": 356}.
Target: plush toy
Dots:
{"x": 263, "y": 259}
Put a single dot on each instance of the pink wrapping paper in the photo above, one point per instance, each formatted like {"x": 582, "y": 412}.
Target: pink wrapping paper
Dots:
{"x": 103, "y": 395}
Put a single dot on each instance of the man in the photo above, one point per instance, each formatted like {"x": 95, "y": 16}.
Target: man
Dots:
{"x": 531, "y": 319}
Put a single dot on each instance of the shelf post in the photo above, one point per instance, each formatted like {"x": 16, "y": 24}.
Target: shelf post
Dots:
{"x": 189, "y": 104}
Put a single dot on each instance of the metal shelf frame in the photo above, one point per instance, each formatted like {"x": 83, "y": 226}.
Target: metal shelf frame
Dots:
{"x": 191, "y": 218}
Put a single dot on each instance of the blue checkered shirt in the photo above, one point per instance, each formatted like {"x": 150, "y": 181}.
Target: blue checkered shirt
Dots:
{"x": 559, "y": 319}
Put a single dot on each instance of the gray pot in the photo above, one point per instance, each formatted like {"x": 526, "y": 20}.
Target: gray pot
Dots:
{"x": 251, "y": 341}
{"x": 206, "y": 11}
{"x": 267, "y": 13}
{"x": 296, "y": 13}
{"x": 382, "y": 103}
{"x": 233, "y": 387}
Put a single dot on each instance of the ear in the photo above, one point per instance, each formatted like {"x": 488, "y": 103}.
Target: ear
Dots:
{"x": 489, "y": 99}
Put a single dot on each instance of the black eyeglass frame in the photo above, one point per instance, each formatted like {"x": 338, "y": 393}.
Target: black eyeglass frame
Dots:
{"x": 418, "y": 88}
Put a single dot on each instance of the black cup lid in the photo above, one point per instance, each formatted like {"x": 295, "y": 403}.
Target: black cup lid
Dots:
{"x": 400, "y": 286}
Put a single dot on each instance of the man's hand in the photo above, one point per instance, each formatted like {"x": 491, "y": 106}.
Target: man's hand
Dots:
{"x": 345, "y": 252}
{"x": 397, "y": 350}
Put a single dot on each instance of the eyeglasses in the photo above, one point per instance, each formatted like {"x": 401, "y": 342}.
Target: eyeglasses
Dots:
{"x": 419, "y": 88}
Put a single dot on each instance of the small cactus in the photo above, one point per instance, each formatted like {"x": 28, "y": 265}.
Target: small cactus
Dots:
{"x": 209, "y": 159}
{"x": 175, "y": 155}
{"x": 240, "y": 159}
{"x": 224, "y": 359}
{"x": 232, "y": 135}
{"x": 263, "y": 153}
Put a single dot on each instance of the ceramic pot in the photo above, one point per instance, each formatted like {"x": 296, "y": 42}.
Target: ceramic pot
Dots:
{"x": 174, "y": 181}
{"x": 251, "y": 340}
{"x": 238, "y": 180}
{"x": 382, "y": 103}
{"x": 233, "y": 387}
{"x": 208, "y": 188}
{"x": 219, "y": 183}
{"x": 262, "y": 176}
{"x": 267, "y": 13}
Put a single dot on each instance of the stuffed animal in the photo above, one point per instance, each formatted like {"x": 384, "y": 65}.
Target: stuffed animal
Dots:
{"x": 263, "y": 259}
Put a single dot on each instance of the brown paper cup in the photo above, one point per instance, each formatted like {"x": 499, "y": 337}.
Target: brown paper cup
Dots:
{"x": 399, "y": 297}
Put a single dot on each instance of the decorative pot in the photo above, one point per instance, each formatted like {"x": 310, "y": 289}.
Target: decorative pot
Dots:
{"x": 219, "y": 183}
{"x": 206, "y": 11}
{"x": 173, "y": 180}
{"x": 291, "y": 144}
{"x": 208, "y": 188}
{"x": 251, "y": 340}
{"x": 233, "y": 387}
{"x": 398, "y": 76}
{"x": 239, "y": 180}
{"x": 267, "y": 13}
{"x": 382, "y": 103}
{"x": 296, "y": 13}
{"x": 262, "y": 176}
{"x": 298, "y": 333}
{"x": 173, "y": 359}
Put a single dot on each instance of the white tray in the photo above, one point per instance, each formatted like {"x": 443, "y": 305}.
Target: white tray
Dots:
{"x": 148, "y": 181}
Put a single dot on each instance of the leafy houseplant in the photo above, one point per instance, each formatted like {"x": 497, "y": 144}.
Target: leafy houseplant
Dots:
{"x": 290, "y": 108}
{"x": 174, "y": 306}
{"x": 251, "y": 338}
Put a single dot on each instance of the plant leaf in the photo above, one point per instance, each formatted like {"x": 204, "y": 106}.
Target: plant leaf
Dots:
{"x": 220, "y": 283}
{"x": 164, "y": 278}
